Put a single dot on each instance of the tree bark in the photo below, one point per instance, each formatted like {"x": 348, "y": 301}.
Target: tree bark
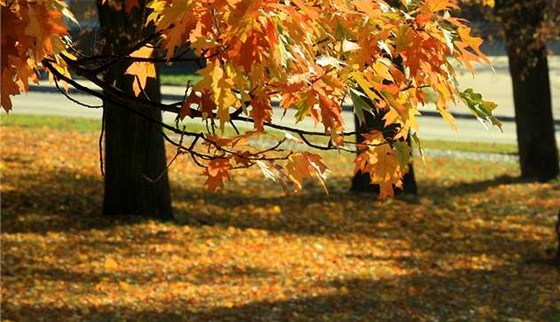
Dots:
{"x": 361, "y": 182}
{"x": 558, "y": 238}
{"x": 134, "y": 149}
{"x": 528, "y": 65}
{"x": 538, "y": 155}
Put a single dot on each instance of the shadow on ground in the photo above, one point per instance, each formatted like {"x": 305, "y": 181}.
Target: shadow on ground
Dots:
{"x": 487, "y": 295}
{"x": 440, "y": 225}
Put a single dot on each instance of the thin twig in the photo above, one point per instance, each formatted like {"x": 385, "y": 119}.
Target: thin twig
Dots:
{"x": 101, "y": 135}
{"x": 164, "y": 170}
{"x": 63, "y": 91}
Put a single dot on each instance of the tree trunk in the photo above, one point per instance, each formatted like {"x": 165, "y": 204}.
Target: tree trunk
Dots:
{"x": 538, "y": 155}
{"x": 361, "y": 181}
{"x": 528, "y": 65}
{"x": 558, "y": 238}
{"x": 134, "y": 150}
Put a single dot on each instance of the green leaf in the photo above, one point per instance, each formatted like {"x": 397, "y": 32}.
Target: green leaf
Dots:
{"x": 360, "y": 105}
{"x": 418, "y": 144}
{"x": 479, "y": 108}
{"x": 342, "y": 33}
{"x": 403, "y": 40}
{"x": 403, "y": 152}
{"x": 303, "y": 108}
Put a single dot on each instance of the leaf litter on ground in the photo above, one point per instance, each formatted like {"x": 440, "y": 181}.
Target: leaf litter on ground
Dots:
{"x": 468, "y": 248}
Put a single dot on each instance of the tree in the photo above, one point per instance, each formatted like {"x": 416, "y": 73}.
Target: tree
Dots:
{"x": 134, "y": 150}
{"x": 308, "y": 55}
{"x": 538, "y": 155}
{"x": 527, "y": 27}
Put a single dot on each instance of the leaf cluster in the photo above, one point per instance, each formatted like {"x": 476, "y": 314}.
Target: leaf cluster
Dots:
{"x": 260, "y": 58}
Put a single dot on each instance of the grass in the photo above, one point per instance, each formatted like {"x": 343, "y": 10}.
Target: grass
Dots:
{"x": 81, "y": 125}
{"x": 470, "y": 247}
{"x": 49, "y": 122}
{"x": 179, "y": 79}
{"x": 482, "y": 147}
{"x": 89, "y": 125}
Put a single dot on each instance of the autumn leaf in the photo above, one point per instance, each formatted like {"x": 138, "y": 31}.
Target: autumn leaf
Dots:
{"x": 110, "y": 264}
{"x": 31, "y": 31}
{"x": 141, "y": 70}
{"x": 306, "y": 165}
{"x": 275, "y": 173}
{"x": 217, "y": 172}
{"x": 308, "y": 55}
{"x": 261, "y": 110}
{"x": 384, "y": 164}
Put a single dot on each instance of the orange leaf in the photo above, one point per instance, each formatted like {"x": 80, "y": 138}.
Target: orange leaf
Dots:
{"x": 306, "y": 165}
{"x": 261, "y": 110}
{"x": 217, "y": 173}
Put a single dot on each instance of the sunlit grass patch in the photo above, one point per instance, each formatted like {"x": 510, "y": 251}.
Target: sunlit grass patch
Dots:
{"x": 49, "y": 122}
{"x": 179, "y": 79}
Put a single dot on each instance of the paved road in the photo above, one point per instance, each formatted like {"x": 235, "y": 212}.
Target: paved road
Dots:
{"x": 41, "y": 103}
{"x": 494, "y": 85}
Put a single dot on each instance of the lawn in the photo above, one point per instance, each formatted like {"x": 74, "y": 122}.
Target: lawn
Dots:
{"x": 178, "y": 79}
{"x": 471, "y": 247}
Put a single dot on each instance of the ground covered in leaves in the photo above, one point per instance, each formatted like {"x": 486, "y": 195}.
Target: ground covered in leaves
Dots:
{"x": 470, "y": 247}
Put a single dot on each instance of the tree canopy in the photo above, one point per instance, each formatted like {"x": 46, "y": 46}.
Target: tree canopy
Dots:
{"x": 309, "y": 56}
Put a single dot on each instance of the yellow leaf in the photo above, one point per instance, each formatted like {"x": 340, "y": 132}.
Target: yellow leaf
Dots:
{"x": 365, "y": 85}
{"x": 124, "y": 285}
{"x": 222, "y": 94}
{"x": 382, "y": 165}
{"x": 448, "y": 117}
{"x": 111, "y": 264}
{"x": 141, "y": 70}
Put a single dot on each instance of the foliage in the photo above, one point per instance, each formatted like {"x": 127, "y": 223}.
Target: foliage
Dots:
{"x": 466, "y": 250}
{"x": 31, "y": 31}
{"x": 536, "y": 22}
{"x": 302, "y": 55}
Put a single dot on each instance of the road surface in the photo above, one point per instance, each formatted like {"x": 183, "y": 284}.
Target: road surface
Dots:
{"x": 494, "y": 86}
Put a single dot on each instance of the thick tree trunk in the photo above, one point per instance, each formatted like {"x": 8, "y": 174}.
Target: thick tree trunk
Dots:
{"x": 134, "y": 150}
{"x": 361, "y": 181}
{"x": 528, "y": 64}
{"x": 538, "y": 155}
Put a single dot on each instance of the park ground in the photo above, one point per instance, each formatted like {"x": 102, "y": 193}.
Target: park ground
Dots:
{"x": 472, "y": 246}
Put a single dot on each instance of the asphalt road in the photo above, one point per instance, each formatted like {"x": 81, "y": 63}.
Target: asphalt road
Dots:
{"x": 42, "y": 103}
{"x": 494, "y": 85}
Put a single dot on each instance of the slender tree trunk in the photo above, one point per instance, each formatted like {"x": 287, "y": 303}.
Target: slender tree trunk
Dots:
{"x": 528, "y": 65}
{"x": 361, "y": 181}
{"x": 134, "y": 150}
